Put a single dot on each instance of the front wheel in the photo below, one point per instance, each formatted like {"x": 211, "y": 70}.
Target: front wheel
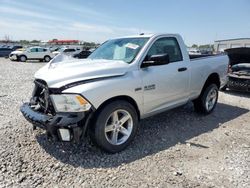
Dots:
{"x": 207, "y": 100}
{"x": 115, "y": 127}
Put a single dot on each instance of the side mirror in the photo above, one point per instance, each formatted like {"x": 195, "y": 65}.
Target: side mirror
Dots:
{"x": 156, "y": 60}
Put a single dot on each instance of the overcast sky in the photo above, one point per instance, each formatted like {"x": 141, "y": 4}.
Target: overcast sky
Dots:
{"x": 197, "y": 21}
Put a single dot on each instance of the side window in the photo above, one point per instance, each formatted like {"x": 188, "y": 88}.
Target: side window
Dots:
{"x": 45, "y": 50}
{"x": 40, "y": 49}
{"x": 69, "y": 50}
{"x": 167, "y": 45}
{"x": 33, "y": 50}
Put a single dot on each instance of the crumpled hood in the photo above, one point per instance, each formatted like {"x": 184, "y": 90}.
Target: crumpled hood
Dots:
{"x": 72, "y": 70}
{"x": 238, "y": 55}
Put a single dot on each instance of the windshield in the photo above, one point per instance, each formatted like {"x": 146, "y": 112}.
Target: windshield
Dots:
{"x": 125, "y": 49}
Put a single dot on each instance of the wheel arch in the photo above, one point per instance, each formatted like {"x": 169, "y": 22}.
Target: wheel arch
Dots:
{"x": 22, "y": 55}
{"x": 124, "y": 98}
{"x": 212, "y": 78}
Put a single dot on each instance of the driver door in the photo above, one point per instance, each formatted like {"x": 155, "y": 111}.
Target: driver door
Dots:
{"x": 165, "y": 85}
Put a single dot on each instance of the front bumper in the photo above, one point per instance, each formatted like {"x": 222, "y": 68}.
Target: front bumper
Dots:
{"x": 239, "y": 84}
{"x": 13, "y": 57}
{"x": 75, "y": 123}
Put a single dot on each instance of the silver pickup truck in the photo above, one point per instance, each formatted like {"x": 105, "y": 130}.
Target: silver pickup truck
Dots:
{"x": 123, "y": 81}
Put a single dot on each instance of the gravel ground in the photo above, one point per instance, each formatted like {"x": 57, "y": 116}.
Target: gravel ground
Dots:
{"x": 178, "y": 148}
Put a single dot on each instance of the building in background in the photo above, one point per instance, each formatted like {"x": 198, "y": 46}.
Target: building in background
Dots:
{"x": 63, "y": 42}
{"x": 221, "y": 45}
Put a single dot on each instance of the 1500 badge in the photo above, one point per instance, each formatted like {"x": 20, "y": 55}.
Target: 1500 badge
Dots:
{"x": 149, "y": 87}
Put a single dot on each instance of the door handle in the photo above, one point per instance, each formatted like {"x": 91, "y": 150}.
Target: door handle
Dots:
{"x": 182, "y": 69}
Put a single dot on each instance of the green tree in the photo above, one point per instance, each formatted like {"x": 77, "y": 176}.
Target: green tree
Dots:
{"x": 194, "y": 46}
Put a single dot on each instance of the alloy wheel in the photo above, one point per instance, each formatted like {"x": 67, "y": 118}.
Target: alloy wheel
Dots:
{"x": 211, "y": 99}
{"x": 118, "y": 127}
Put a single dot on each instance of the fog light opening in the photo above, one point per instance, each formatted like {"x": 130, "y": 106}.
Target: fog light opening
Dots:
{"x": 65, "y": 134}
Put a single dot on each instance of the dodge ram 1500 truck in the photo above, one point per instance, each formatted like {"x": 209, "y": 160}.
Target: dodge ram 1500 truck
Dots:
{"x": 121, "y": 82}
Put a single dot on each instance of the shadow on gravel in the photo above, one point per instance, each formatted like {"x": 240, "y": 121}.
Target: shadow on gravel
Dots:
{"x": 238, "y": 93}
{"x": 34, "y": 61}
{"x": 157, "y": 133}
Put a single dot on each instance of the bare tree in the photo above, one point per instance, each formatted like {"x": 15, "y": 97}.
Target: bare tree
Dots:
{"x": 7, "y": 38}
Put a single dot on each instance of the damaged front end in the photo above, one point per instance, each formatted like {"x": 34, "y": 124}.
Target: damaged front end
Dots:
{"x": 239, "y": 69}
{"x": 41, "y": 111}
{"x": 238, "y": 83}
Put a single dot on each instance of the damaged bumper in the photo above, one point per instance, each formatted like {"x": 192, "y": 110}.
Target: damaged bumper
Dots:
{"x": 62, "y": 126}
{"x": 13, "y": 57}
{"x": 239, "y": 84}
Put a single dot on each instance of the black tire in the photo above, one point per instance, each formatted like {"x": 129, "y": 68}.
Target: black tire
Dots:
{"x": 97, "y": 132}
{"x": 47, "y": 58}
{"x": 23, "y": 58}
{"x": 200, "y": 103}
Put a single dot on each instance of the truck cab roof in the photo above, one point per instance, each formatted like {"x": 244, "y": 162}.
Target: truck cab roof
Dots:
{"x": 148, "y": 35}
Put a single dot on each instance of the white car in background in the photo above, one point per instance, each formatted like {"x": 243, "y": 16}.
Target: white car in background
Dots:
{"x": 194, "y": 51}
{"x": 67, "y": 51}
{"x": 33, "y": 53}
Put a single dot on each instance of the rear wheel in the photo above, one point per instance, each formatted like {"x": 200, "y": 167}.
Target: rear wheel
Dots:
{"x": 115, "y": 126}
{"x": 207, "y": 100}
{"x": 23, "y": 58}
{"x": 47, "y": 58}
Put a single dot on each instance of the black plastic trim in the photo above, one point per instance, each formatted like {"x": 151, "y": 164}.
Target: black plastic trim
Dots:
{"x": 59, "y": 120}
{"x": 77, "y": 123}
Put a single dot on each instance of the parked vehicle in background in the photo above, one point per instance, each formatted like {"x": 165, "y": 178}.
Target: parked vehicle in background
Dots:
{"x": 20, "y": 49}
{"x": 83, "y": 54}
{"x": 194, "y": 51}
{"x": 33, "y": 53}
{"x": 122, "y": 81}
{"x": 239, "y": 69}
{"x": 67, "y": 51}
{"x": 5, "y": 51}
{"x": 206, "y": 52}
{"x": 54, "y": 48}
{"x": 16, "y": 47}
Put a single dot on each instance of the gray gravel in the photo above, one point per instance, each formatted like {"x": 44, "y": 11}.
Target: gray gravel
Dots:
{"x": 178, "y": 148}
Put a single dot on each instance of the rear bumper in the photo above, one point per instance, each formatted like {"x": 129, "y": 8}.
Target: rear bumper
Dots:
{"x": 239, "y": 84}
{"x": 74, "y": 122}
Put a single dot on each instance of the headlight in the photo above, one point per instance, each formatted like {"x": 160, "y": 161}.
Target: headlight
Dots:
{"x": 70, "y": 103}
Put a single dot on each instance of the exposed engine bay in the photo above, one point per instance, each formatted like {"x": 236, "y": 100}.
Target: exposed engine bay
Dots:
{"x": 239, "y": 69}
